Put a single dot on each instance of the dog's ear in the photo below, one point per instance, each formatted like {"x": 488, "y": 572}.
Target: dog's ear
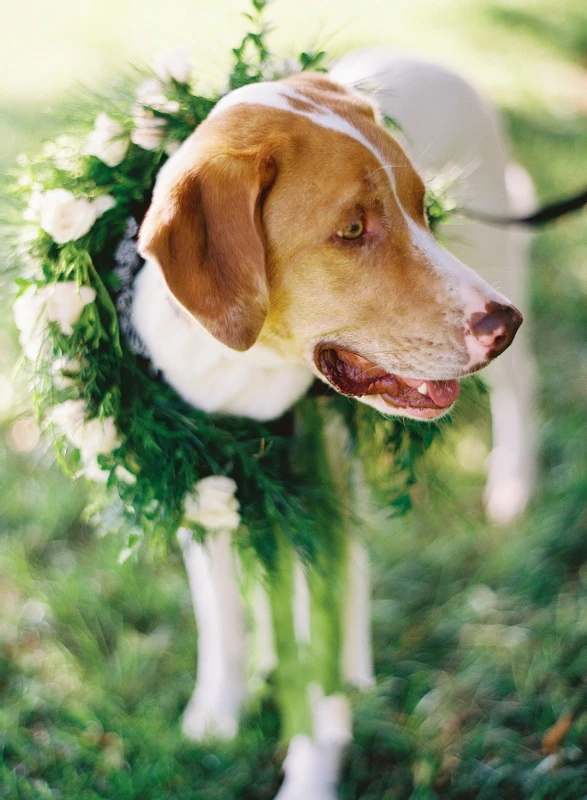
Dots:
{"x": 204, "y": 230}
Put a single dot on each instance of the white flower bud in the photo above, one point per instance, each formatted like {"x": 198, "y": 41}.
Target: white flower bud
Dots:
{"x": 124, "y": 475}
{"x": 174, "y": 64}
{"x": 106, "y": 141}
{"x": 213, "y": 504}
{"x": 62, "y": 369}
{"x": 94, "y": 472}
{"x": 149, "y": 129}
{"x": 150, "y": 93}
{"x": 102, "y": 204}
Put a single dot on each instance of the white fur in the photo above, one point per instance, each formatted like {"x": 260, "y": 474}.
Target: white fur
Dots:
{"x": 220, "y": 690}
{"x": 357, "y": 657}
{"x": 257, "y": 384}
{"x": 312, "y": 765}
{"x": 262, "y": 639}
{"x": 472, "y": 290}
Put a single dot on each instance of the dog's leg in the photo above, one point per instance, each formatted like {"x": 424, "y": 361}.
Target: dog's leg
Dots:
{"x": 313, "y": 763}
{"x": 262, "y": 657}
{"x": 292, "y": 672}
{"x": 357, "y": 657}
{"x": 513, "y": 459}
{"x": 357, "y": 654}
{"x": 214, "y": 707}
{"x": 339, "y": 642}
{"x": 316, "y": 715}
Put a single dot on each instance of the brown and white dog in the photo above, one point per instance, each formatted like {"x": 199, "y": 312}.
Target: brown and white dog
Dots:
{"x": 287, "y": 240}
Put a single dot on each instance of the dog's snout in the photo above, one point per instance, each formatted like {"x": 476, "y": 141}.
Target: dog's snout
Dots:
{"x": 495, "y": 328}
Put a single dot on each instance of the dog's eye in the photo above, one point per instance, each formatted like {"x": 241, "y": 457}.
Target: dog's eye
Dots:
{"x": 352, "y": 231}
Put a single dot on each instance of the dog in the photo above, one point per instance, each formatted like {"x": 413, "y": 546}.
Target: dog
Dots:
{"x": 287, "y": 241}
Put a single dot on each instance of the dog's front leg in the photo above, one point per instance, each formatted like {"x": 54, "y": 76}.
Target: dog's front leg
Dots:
{"x": 316, "y": 716}
{"x": 215, "y": 705}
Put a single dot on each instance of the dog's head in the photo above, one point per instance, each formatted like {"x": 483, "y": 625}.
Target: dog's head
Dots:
{"x": 292, "y": 218}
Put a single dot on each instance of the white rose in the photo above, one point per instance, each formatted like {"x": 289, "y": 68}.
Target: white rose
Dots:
{"x": 106, "y": 141}
{"x": 213, "y": 504}
{"x": 150, "y": 93}
{"x": 65, "y": 302}
{"x": 149, "y": 129}
{"x": 67, "y": 218}
{"x": 64, "y": 217}
{"x": 92, "y": 437}
{"x": 30, "y": 319}
{"x": 174, "y": 64}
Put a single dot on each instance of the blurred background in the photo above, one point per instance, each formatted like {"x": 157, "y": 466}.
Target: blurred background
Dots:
{"x": 480, "y": 631}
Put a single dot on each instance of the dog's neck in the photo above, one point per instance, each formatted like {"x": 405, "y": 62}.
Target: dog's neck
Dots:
{"x": 257, "y": 383}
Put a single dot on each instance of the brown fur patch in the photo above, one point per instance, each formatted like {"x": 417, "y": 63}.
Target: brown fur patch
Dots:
{"x": 303, "y": 105}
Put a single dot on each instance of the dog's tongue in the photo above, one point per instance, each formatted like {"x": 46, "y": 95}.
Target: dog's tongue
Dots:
{"x": 443, "y": 393}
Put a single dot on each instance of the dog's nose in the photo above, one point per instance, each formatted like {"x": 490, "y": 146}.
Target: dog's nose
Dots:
{"x": 495, "y": 329}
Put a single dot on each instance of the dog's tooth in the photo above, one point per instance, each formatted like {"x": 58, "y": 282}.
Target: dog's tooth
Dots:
{"x": 422, "y": 388}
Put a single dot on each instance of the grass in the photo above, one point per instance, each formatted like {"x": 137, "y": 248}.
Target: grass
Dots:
{"x": 480, "y": 632}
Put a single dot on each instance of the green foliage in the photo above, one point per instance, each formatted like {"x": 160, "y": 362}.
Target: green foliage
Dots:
{"x": 167, "y": 445}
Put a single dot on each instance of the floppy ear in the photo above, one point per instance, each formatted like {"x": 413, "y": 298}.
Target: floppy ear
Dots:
{"x": 204, "y": 231}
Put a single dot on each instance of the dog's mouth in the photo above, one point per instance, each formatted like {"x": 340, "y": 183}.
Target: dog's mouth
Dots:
{"x": 353, "y": 375}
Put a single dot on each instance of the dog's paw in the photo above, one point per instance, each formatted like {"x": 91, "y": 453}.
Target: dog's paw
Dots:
{"x": 292, "y": 790}
{"x": 199, "y": 723}
{"x": 311, "y": 770}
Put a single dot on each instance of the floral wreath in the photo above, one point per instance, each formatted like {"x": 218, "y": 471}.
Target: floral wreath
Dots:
{"x": 164, "y": 463}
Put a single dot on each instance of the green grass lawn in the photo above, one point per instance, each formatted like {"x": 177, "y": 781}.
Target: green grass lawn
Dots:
{"x": 480, "y": 632}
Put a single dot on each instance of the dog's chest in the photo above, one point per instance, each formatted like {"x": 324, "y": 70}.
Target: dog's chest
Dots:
{"x": 256, "y": 384}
